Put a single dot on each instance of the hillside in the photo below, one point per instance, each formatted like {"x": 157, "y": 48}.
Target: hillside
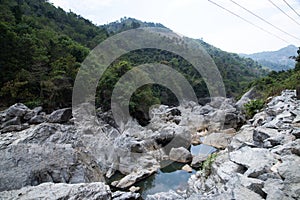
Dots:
{"x": 275, "y": 82}
{"x": 275, "y": 60}
{"x": 42, "y": 47}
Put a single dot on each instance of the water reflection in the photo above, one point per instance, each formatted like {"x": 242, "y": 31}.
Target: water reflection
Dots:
{"x": 167, "y": 178}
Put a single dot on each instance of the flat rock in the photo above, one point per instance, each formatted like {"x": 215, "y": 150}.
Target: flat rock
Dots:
{"x": 217, "y": 140}
{"x": 257, "y": 161}
{"x": 171, "y": 195}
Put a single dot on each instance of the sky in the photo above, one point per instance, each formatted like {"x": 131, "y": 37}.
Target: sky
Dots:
{"x": 202, "y": 19}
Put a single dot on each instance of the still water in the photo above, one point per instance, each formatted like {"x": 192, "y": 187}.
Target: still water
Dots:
{"x": 171, "y": 177}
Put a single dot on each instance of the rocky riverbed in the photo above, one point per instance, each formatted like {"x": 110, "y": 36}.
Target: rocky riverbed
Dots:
{"x": 49, "y": 156}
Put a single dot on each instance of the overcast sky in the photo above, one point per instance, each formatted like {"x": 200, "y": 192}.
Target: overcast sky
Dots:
{"x": 202, "y": 19}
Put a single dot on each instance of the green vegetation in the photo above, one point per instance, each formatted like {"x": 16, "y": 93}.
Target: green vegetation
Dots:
{"x": 42, "y": 47}
{"x": 253, "y": 107}
{"x": 41, "y": 50}
{"x": 206, "y": 165}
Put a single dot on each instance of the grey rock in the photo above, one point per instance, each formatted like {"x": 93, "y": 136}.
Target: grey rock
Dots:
{"x": 296, "y": 133}
{"x": 17, "y": 110}
{"x": 257, "y": 161}
{"x": 180, "y": 155}
{"x": 261, "y": 133}
{"x": 248, "y": 96}
{"x": 225, "y": 169}
{"x": 51, "y": 191}
{"x": 243, "y": 138}
{"x": 171, "y": 195}
{"x": 14, "y": 128}
{"x": 13, "y": 121}
{"x": 132, "y": 178}
{"x": 118, "y": 195}
{"x": 32, "y": 164}
{"x": 198, "y": 160}
{"x": 60, "y": 116}
{"x": 37, "y": 119}
{"x": 289, "y": 168}
{"x": 288, "y": 148}
{"x": 244, "y": 193}
{"x": 217, "y": 140}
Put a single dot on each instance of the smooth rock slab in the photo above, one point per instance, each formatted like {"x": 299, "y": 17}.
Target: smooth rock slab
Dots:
{"x": 132, "y": 178}
{"x": 51, "y": 191}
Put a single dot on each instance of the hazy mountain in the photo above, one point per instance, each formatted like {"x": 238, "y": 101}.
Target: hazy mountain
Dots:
{"x": 276, "y": 60}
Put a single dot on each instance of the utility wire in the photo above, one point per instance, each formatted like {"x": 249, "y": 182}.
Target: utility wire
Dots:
{"x": 247, "y": 21}
{"x": 283, "y": 11}
{"x": 265, "y": 20}
{"x": 291, "y": 7}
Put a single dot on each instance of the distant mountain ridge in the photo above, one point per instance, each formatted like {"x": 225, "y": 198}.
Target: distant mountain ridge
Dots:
{"x": 275, "y": 60}
{"x": 127, "y": 23}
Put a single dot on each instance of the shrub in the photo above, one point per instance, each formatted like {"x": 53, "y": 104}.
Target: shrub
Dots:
{"x": 253, "y": 107}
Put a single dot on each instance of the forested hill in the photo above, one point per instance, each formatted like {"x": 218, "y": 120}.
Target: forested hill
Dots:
{"x": 42, "y": 47}
{"x": 276, "y": 60}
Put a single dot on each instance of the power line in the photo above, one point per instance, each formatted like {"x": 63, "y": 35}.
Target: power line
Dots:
{"x": 283, "y": 12}
{"x": 291, "y": 7}
{"x": 265, "y": 20}
{"x": 247, "y": 21}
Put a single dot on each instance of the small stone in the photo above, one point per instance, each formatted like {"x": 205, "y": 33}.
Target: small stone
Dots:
{"x": 187, "y": 168}
{"x": 134, "y": 189}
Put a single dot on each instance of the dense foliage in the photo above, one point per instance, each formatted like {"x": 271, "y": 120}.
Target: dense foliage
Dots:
{"x": 42, "y": 47}
{"x": 253, "y": 107}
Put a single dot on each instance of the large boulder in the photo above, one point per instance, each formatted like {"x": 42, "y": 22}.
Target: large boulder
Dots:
{"x": 181, "y": 155}
{"x": 33, "y": 164}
